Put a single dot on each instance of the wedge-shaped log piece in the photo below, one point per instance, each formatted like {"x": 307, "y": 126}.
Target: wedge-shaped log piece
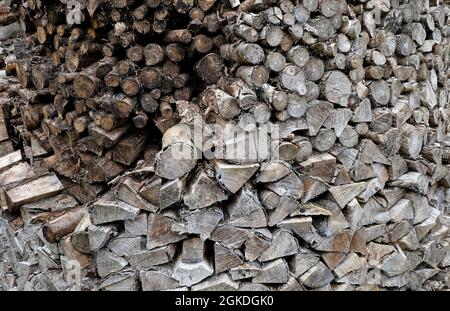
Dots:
{"x": 425, "y": 226}
{"x": 288, "y": 185}
{"x": 318, "y": 276}
{"x": 345, "y": 193}
{"x": 203, "y": 192}
{"x": 313, "y": 188}
{"x": 434, "y": 252}
{"x": 59, "y": 202}
{"x": 297, "y": 225}
{"x": 128, "y": 194}
{"x": 138, "y": 226}
{"x": 321, "y": 166}
{"x": 332, "y": 259}
{"x": 69, "y": 251}
{"x": 353, "y": 212}
{"x": 361, "y": 171}
{"x": 402, "y": 210}
{"x": 283, "y": 244}
{"x": 201, "y": 222}
{"x": 316, "y": 115}
{"x": 373, "y": 186}
{"x": 28, "y": 191}
{"x": 108, "y": 209}
{"x": 176, "y": 160}
{"x": 151, "y": 191}
{"x": 233, "y": 177}
{"x": 335, "y": 223}
{"x": 123, "y": 245}
{"x": 311, "y": 209}
{"x": 286, "y": 207}
{"x": 154, "y": 280}
{"x": 171, "y": 192}
{"x": 363, "y": 112}
{"x": 414, "y": 181}
{"x": 351, "y": 263}
{"x": 369, "y": 153}
{"x": 394, "y": 264}
{"x": 16, "y": 173}
{"x": 107, "y": 262}
{"x": 272, "y": 171}
{"x": 220, "y": 282}
{"x": 192, "y": 266}
{"x": 246, "y": 210}
{"x": 120, "y": 281}
{"x": 337, "y": 88}
{"x": 338, "y": 120}
{"x": 63, "y": 225}
{"x": 9, "y": 160}
{"x": 127, "y": 150}
{"x": 245, "y": 271}
{"x": 100, "y": 235}
{"x": 377, "y": 252}
{"x": 340, "y": 242}
{"x": 225, "y": 258}
{"x": 160, "y": 231}
{"x": 275, "y": 272}
{"x": 104, "y": 138}
{"x": 303, "y": 261}
{"x": 256, "y": 243}
{"x": 147, "y": 259}
{"x": 409, "y": 242}
{"x": 230, "y": 236}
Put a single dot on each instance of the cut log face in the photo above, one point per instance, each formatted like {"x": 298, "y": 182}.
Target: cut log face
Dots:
{"x": 108, "y": 209}
{"x": 345, "y": 193}
{"x": 225, "y": 258}
{"x": 283, "y": 244}
{"x": 192, "y": 267}
{"x": 201, "y": 222}
{"x": 246, "y": 210}
{"x": 203, "y": 193}
{"x": 108, "y": 263}
{"x": 32, "y": 190}
{"x": 275, "y": 272}
{"x": 160, "y": 231}
{"x": 233, "y": 177}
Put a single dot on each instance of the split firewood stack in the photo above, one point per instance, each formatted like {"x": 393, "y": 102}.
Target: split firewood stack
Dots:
{"x": 226, "y": 145}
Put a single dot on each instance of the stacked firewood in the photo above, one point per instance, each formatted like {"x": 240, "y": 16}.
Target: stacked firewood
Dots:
{"x": 228, "y": 145}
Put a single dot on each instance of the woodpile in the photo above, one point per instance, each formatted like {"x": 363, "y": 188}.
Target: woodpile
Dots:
{"x": 226, "y": 145}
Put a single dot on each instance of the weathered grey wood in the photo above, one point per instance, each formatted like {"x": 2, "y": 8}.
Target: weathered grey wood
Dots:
{"x": 233, "y": 177}
{"x": 283, "y": 244}
{"x": 107, "y": 263}
{"x": 108, "y": 209}
{"x": 192, "y": 266}
{"x": 201, "y": 222}
{"x": 336, "y": 88}
{"x": 220, "y": 282}
{"x": 317, "y": 276}
{"x": 154, "y": 257}
{"x": 273, "y": 272}
{"x": 157, "y": 280}
{"x": 16, "y": 173}
{"x": 203, "y": 192}
{"x": 9, "y": 160}
{"x": 160, "y": 231}
{"x": 225, "y": 258}
{"x": 32, "y": 190}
